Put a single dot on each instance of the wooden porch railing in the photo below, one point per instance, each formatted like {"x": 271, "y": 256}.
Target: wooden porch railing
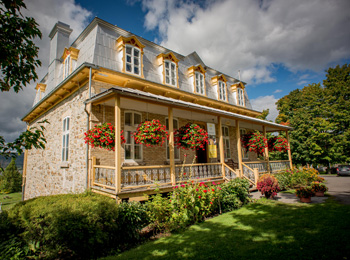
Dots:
{"x": 199, "y": 172}
{"x": 248, "y": 173}
{"x": 230, "y": 173}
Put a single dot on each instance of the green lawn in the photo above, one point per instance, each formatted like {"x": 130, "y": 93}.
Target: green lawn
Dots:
{"x": 8, "y": 200}
{"x": 262, "y": 230}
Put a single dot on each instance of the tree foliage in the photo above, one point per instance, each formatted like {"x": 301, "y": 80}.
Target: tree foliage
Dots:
{"x": 11, "y": 180}
{"x": 18, "y": 53}
{"x": 320, "y": 116}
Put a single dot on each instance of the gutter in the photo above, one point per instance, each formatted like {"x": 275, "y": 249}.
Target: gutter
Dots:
{"x": 87, "y": 129}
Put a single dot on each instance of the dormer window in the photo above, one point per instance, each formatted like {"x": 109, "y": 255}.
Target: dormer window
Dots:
{"x": 198, "y": 74}
{"x": 131, "y": 51}
{"x": 238, "y": 93}
{"x": 168, "y": 65}
{"x": 220, "y": 82}
{"x": 69, "y": 58}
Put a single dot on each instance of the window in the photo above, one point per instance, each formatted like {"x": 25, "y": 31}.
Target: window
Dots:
{"x": 176, "y": 150}
{"x": 133, "y": 151}
{"x": 133, "y": 59}
{"x": 244, "y": 153}
{"x": 226, "y": 138}
{"x": 240, "y": 97}
{"x": 170, "y": 72}
{"x": 65, "y": 139}
{"x": 130, "y": 51}
{"x": 222, "y": 90}
{"x": 67, "y": 66}
{"x": 199, "y": 80}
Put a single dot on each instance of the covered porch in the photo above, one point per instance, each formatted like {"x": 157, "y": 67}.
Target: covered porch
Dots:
{"x": 165, "y": 167}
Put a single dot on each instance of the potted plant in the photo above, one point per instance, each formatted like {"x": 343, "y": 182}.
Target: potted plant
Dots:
{"x": 191, "y": 136}
{"x": 268, "y": 185}
{"x": 151, "y": 133}
{"x": 319, "y": 188}
{"x": 305, "y": 194}
{"x": 102, "y": 136}
{"x": 254, "y": 142}
{"x": 278, "y": 143}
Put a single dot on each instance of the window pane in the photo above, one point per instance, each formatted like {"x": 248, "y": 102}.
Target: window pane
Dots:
{"x": 63, "y": 154}
{"x": 167, "y": 80}
{"x": 67, "y": 140}
{"x": 128, "y": 59}
{"x": 136, "y": 52}
{"x": 128, "y": 137}
{"x": 136, "y": 61}
{"x": 137, "y": 119}
{"x": 173, "y": 82}
{"x": 67, "y": 126}
{"x": 173, "y": 66}
{"x": 175, "y": 124}
{"x": 127, "y": 151}
{"x": 66, "y": 156}
{"x": 136, "y": 70}
{"x": 167, "y": 73}
{"x": 127, "y": 119}
{"x": 64, "y": 125}
{"x": 128, "y": 50}
{"x": 128, "y": 67}
{"x": 137, "y": 152}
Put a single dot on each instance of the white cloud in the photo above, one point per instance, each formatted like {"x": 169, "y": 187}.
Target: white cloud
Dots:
{"x": 46, "y": 13}
{"x": 278, "y": 91}
{"x": 266, "y": 102}
{"x": 250, "y": 35}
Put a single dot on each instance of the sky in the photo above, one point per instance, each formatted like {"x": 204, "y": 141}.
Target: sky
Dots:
{"x": 277, "y": 45}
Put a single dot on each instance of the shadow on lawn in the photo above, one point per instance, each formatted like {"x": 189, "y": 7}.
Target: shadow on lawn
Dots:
{"x": 264, "y": 230}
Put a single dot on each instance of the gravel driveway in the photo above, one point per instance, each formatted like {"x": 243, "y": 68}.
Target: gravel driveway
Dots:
{"x": 339, "y": 187}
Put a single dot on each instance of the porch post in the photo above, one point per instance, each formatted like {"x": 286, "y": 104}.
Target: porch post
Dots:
{"x": 266, "y": 152}
{"x": 221, "y": 147}
{"x": 117, "y": 153}
{"x": 171, "y": 145}
{"x": 239, "y": 148}
{"x": 289, "y": 151}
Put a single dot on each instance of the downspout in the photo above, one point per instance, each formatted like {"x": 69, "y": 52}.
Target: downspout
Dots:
{"x": 87, "y": 129}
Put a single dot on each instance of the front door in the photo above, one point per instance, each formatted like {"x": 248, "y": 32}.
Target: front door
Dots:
{"x": 202, "y": 155}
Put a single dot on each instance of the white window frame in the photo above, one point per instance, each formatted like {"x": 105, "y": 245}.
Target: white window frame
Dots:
{"x": 199, "y": 83}
{"x": 176, "y": 149}
{"x": 65, "y": 138}
{"x": 67, "y": 66}
{"x": 226, "y": 139}
{"x": 133, "y": 60}
{"x": 132, "y": 128}
{"x": 222, "y": 90}
{"x": 244, "y": 153}
{"x": 170, "y": 73}
{"x": 240, "y": 96}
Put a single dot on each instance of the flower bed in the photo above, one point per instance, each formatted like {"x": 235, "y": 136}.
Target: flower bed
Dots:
{"x": 151, "y": 133}
{"x": 191, "y": 136}
{"x": 102, "y": 136}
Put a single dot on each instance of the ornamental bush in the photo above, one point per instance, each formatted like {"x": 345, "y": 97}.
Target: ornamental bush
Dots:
{"x": 268, "y": 185}
{"x": 304, "y": 192}
{"x": 75, "y": 226}
{"x": 318, "y": 186}
{"x": 151, "y": 133}
{"x": 234, "y": 194}
{"x": 294, "y": 178}
{"x": 191, "y": 136}
{"x": 102, "y": 136}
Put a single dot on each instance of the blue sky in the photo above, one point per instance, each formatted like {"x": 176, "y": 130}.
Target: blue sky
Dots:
{"x": 278, "y": 45}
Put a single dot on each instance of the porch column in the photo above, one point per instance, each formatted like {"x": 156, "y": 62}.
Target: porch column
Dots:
{"x": 171, "y": 145}
{"x": 266, "y": 150}
{"x": 221, "y": 147}
{"x": 117, "y": 153}
{"x": 289, "y": 151}
{"x": 239, "y": 148}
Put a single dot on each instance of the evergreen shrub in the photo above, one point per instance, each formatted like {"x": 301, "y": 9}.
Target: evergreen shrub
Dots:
{"x": 234, "y": 194}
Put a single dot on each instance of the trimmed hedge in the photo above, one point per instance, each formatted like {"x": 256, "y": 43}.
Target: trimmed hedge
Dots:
{"x": 74, "y": 226}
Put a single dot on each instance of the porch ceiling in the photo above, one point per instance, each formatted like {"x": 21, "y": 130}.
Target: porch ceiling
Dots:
{"x": 151, "y": 103}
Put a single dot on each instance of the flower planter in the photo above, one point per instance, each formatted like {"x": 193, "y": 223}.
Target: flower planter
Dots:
{"x": 319, "y": 193}
{"x": 305, "y": 200}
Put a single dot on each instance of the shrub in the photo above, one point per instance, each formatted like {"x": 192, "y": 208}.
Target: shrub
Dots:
{"x": 283, "y": 178}
{"x": 304, "y": 192}
{"x": 291, "y": 179}
{"x": 159, "y": 212}
{"x": 234, "y": 194}
{"x": 75, "y": 226}
{"x": 268, "y": 185}
{"x": 318, "y": 187}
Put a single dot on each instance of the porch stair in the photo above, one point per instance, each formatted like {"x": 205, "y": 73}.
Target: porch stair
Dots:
{"x": 104, "y": 191}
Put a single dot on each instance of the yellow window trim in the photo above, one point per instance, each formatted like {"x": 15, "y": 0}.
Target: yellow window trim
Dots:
{"x": 169, "y": 56}
{"x": 215, "y": 81}
{"x": 191, "y": 73}
{"x": 133, "y": 41}
{"x": 73, "y": 52}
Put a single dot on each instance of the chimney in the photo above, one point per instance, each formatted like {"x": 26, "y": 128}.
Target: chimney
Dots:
{"x": 59, "y": 39}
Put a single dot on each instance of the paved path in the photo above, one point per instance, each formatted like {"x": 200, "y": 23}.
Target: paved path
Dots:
{"x": 339, "y": 187}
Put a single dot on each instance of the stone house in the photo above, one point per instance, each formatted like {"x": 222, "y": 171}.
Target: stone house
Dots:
{"x": 110, "y": 75}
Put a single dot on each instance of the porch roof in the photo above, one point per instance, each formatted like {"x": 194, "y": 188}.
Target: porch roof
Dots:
{"x": 171, "y": 102}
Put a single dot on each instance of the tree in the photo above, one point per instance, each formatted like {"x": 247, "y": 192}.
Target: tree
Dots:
{"x": 320, "y": 116}
{"x": 18, "y": 59}
{"x": 11, "y": 181}
{"x": 18, "y": 53}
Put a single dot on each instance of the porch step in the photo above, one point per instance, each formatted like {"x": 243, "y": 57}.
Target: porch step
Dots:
{"x": 253, "y": 188}
{"x": 103, "y": 191}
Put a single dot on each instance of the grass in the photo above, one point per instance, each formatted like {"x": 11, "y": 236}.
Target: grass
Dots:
{"x": 10, "y": 199}
{"x": 262, "y": 230}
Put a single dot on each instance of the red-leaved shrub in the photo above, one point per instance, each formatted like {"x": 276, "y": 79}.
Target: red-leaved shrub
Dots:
{"x": 268, "y": 185}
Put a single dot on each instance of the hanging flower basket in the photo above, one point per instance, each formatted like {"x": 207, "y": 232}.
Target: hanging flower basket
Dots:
{"x": 254, "y": 142}
{"x": 102, "y": 136}
{"x": 151, "y": 133}
{"x": 191, "y": 136}
{"x": 278, "y": 144}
